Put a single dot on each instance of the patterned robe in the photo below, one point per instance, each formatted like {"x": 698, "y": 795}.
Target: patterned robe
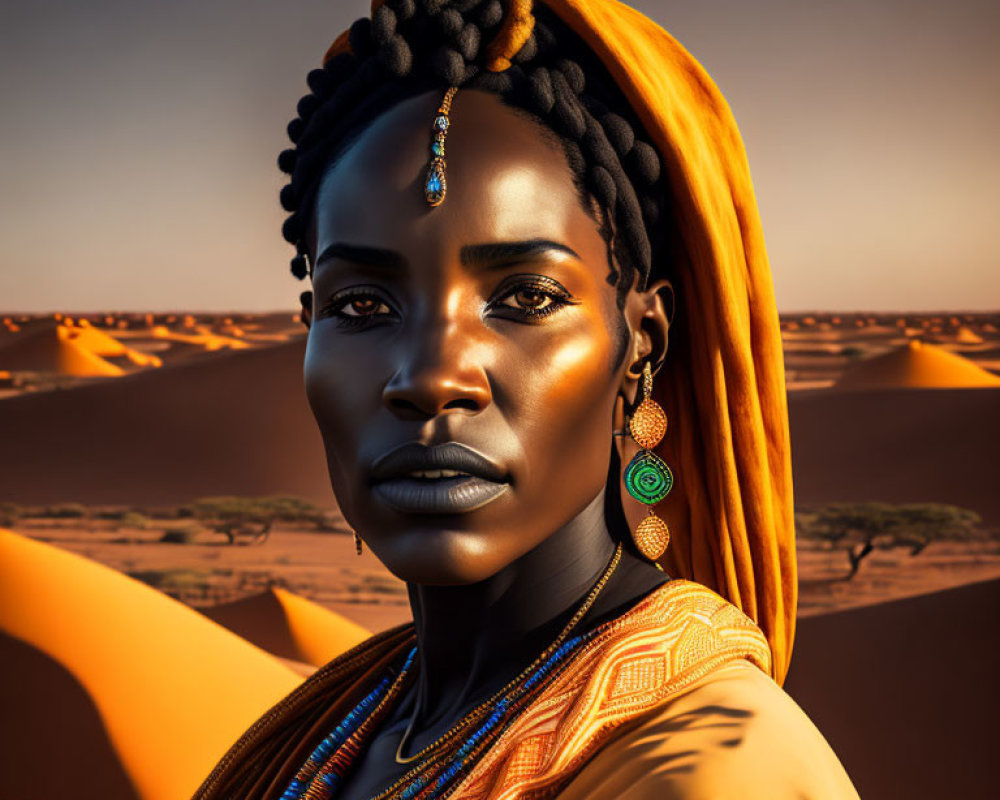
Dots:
{"x": 671, "y": 699}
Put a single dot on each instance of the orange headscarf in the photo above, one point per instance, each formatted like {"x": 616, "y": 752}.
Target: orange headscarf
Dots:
{"x": 723, "y": 386}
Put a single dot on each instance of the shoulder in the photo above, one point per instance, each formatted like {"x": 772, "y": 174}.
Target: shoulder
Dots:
{"x": 733, "y": 734}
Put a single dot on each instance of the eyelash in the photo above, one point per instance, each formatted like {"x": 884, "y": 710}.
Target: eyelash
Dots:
{"x": 547, "y": 287}
{"x": 551, "y": 289}
{"x": 336, "y": 304}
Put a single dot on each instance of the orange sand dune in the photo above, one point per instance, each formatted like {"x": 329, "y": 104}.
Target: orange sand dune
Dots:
{"x": 164, "y": 690}
{"x": 54, "y": 348}
{"x": 906, "y": 692}
{"x": 45, "y": 709}
{"x": 965, "y": 335}
{"x": 101, "y": 344}
{"x": 203, "y": 338}
{"x": 897, "y": 445}
{"x": 917, "y": 365}
{"x": 236, "y": 423}
{"x": 289, "y": 626}
{"x": 69, "y": 349}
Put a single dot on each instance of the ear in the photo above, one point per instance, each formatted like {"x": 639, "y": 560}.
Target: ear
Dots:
{"x": 649, "y": 321}
{"x": 306, "y": 312}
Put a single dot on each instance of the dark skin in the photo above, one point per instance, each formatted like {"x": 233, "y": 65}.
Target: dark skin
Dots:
{"x": 519, "y": 352}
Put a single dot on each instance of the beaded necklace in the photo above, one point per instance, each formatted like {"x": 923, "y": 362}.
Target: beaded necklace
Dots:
{"x": 323, "y": 772}
{"x": 328, "y": 763}
{"x": 477, "y": 713}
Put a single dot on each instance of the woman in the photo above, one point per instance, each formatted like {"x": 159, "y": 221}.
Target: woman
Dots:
{"x": 530, "y": 232}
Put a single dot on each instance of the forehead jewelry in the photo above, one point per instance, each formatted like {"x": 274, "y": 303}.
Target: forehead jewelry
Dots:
{"x": 436, "y": 184}
{"x": 647, "y": 477}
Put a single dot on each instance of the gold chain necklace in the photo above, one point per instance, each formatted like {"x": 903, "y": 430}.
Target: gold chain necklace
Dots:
{"x": 477, "y": 713}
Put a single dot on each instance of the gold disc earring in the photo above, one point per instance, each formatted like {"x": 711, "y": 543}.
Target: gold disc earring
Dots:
{"x": 647, "y": 477}
{"x": 357, "y": 543}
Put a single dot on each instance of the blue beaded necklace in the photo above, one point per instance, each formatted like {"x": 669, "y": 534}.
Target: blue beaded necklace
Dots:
{"x": 300, "y": 786}
{"x": 429, "y": 787}
{"x": 323, "y": 772}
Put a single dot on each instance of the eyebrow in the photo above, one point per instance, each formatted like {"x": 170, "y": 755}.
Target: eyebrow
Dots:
{"x": 370, "y": 256}
{"x": 489, "y": 255}
{"x": 498, "y": 254}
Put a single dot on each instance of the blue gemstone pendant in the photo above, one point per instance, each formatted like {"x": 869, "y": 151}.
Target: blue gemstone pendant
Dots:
{"x": 434, "y": 188}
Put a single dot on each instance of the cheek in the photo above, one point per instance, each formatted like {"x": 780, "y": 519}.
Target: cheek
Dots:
{"x": 569, "y": 404}
{"x": 340, "y": 384}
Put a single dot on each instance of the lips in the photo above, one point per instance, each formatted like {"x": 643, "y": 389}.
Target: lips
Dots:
{"x": 444, "y": 479}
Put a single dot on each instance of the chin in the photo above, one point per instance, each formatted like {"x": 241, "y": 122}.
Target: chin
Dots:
{"x": 441, "y": 557}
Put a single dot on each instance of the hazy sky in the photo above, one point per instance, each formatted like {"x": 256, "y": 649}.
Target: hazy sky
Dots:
{"x": 138, "y": 142}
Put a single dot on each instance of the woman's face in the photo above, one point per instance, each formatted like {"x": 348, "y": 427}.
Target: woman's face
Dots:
{"x": 486, "y": 325}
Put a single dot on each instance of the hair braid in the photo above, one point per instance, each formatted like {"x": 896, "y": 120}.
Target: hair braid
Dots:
{"x": 410, "y": 46}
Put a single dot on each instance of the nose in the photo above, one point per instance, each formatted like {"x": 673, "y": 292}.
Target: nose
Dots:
{"x": 439, "y": 373}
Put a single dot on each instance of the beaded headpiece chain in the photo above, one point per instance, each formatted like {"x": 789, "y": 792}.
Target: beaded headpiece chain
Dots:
{"x": 437, "y": 184}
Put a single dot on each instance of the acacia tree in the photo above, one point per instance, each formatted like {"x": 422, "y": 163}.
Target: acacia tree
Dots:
{"x": 251, "y": 517}
{"x": 861, "y": 528}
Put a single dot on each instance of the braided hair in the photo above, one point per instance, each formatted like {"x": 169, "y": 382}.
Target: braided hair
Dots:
{"x": 411, "y": 46}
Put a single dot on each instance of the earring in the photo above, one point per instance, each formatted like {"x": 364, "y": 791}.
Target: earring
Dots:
{"x": 357, "y": 543}
{"x": 647, "y": 476}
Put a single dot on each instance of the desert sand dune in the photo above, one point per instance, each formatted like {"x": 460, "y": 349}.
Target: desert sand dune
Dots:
{"x": 966, "y": 335}
{"x": 101, "y": 344}
{"x": 46, "y": 710}
{"x": 917, "y": 365}
{"x": 289, "y": 626}
{"x": 235, "y": 424}
{"x": 54, "y": 348}
{"x": 171, "y": 688}
{"x": 897, "y": 446}
{"x": 203, "y": 337}
{"x": 70, "y": 349}
{"x": 906, "y": 692}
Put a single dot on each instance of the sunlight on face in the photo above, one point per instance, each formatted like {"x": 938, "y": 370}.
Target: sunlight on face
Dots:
{"x": 484, "y": 329}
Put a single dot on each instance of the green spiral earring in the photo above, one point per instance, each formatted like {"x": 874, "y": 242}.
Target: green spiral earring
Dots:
{"x": 647, "y": 477}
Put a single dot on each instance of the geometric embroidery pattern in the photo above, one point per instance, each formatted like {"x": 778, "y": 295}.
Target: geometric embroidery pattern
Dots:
{"x": 675, "y": 636}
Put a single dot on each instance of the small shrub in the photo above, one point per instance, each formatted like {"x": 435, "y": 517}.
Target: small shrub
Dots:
{"x": 133, "y": 519}
{"x": 179, "y": 534}
{"x": 171, "y": 580}
{"x": 10, "y": 513}
{"x": 66, "y": 511}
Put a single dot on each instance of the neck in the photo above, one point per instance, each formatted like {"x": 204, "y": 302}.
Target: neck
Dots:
{"x": 473, "y": 639}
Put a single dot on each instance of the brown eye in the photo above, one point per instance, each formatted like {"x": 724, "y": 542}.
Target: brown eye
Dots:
{"x": 529, "y": 299}
{"x": 364, "y": 307}
{"x": 358, "y": 308}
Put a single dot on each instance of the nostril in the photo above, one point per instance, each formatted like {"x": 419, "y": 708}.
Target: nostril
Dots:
{"x": 467, "y": 404}
{"x": 410, "y": 409}
{"x": 404, "y": 405}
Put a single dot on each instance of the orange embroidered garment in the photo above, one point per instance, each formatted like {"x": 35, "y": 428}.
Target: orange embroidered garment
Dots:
{"x": 676, "y": 636}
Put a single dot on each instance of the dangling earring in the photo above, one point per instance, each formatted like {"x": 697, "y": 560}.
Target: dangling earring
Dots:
{"x": 357, "y": 542}
{"x": 647, "y": 476}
